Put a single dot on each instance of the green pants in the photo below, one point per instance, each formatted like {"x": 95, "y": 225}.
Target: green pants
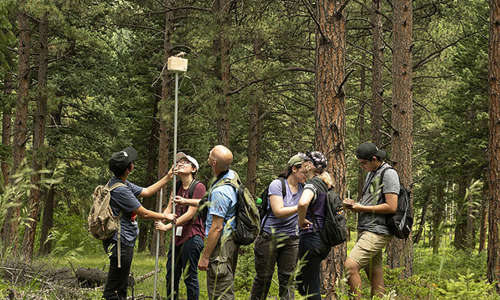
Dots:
{"x": 221, "y": 268}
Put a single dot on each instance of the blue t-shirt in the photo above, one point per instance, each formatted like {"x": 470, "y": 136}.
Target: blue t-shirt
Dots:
{"x": 223, "y": 201}
{"x": 124, "y": 200}
{"x": 288, "y": 225}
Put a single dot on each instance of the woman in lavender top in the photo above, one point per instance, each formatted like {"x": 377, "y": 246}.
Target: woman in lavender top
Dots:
{"x": 278, "y": 242}
{"x": 311, "y": 217}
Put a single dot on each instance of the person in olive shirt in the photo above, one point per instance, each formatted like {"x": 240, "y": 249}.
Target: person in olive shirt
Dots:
{"x": 124, "y": 201}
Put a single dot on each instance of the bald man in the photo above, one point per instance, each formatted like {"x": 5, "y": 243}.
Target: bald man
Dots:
{"x": 220, "y": 255}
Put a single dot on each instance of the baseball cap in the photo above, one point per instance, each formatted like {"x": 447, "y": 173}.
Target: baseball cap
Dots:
{"x": 191, "y": 159}
{"x": 297, "y": 159}
{"x": 368, "y": 150}
{"x": 120, "y": 160}
{"x": 318, "y": 159}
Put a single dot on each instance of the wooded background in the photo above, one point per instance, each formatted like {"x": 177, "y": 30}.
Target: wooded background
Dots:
{"x": 82, "y": 79}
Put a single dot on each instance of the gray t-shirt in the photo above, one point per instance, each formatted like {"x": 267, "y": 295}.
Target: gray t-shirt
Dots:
{"x": 124, "y": 200}
{"x": 368, "y": 221}
{"x": 286, "y": 225}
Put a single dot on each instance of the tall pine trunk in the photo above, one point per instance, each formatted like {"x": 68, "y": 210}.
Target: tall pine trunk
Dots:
{"x": 11, "y": 223}
{"x": 493, "y": 271}
{"x": 253, "y": 127}
{"x": 38, "y": 159}
{"x": 222, "y": 47}
{"x": 6, "y": 130}
{"x": 400, "y": 252}
{"x": 462, "y": 214}
{"x": 377, "y": 63}
{"x": 330, "y": 115}
{"x": 438, "y": 212}
{"x": 421, "y": 224}
{"x": 166, "y": 92}
{"x": 50, "y": 200}
{"x": 145, "y": 228}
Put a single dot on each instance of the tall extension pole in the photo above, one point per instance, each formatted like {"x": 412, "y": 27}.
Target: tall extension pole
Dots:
{"x": 157, "y": 245}
{"x": 174, "y": 185}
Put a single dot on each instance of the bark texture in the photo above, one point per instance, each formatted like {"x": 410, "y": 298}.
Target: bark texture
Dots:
{"x": 400, "y": 252}
{"x": 494, "y": 145}
{"x": 330, "y": 115}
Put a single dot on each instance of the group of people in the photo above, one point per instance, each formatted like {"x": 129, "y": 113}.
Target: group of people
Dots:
{"x": 289, "y": 230}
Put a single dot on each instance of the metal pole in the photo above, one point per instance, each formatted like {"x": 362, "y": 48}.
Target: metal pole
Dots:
{"x": 157, "y": 245}
{"x": 174, "y": 185}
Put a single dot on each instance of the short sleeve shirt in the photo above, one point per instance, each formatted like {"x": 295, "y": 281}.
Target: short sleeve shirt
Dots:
{"x": 368, "y": 221}
{"x": 223, "y": 201}
{"x": 316, "y": 209}
{"x": 124, "y": 200}
{"x": 286, "y": 225}
{"x": 196, "y": 225}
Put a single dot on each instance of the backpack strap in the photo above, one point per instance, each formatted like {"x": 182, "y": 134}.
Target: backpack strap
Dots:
{"x": 382, "y": 199}
{"x": 191, "y": 188}
{"x": 119, "y": 233}
{"x": 283, "y": 193}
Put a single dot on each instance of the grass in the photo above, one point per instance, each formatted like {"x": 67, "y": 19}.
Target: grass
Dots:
{"x": 449, "y": 275}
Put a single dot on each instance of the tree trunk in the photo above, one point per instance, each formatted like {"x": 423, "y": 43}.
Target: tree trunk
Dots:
{"x": 483, "y": 223}
{"x": 222, "y": 70}
{"x": 493, "y": 271}
{"x": 47, "y": 222}
{"x": 253, "y": 127}
{"x": 145, "y": 228}
{"x": 361, "y": 122}
{"x": 421, "y": 225}
{"x": 461, "y": 239}
{"x": 163, "y": 147}
{"x": 377, "y": 63}
{"x": 6, "y": 130}
{"x": 400, "y": 252}
{"x": 330, "y": 115}
{"x": 438, "y": 212}
{"x": 50, "y": 202}
{"x": 38, "y": 143}
{"x": 11, "y": 223}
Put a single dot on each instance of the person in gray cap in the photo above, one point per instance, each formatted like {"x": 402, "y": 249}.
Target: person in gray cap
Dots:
{"x": 124, "y": 202}
{"x": 377, "y": 200}
{"x": 278, "y": 240}
{"x": 189, "y": 229}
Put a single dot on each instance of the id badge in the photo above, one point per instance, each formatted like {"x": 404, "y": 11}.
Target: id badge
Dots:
{"x": 178, "y": 231}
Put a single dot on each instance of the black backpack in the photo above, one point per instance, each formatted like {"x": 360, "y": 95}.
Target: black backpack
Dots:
{"x": 264, "y": 206}
{"x": 401, "y": 222}
{"x": 334, "y": 230}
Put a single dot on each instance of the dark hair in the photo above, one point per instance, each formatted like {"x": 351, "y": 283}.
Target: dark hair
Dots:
{"x": 288, "y": 171}
{"x": 119, "y": 171}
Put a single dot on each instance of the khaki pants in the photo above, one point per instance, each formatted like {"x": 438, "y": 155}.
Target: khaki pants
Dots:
{"x": 221, "y": 268}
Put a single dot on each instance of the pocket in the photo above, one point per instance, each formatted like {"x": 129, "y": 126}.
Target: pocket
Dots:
{"x": 219, "y": 268}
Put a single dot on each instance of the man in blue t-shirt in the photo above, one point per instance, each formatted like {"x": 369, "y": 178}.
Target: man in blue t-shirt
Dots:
{"x": 124, "y": 201}
{"x": 220, "y": 255}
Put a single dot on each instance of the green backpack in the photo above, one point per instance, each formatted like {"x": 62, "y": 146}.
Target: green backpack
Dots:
{"x": 247, "y": 215}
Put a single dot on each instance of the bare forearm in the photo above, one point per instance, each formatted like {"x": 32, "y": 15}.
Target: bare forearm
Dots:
{"x": 382, "y": 208}
{"x": 285, "y": 212}
{"x": 155, "y": 187}
{"x": 212, "y": 239}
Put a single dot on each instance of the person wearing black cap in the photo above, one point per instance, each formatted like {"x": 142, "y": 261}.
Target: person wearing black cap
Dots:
{"x": 124, "y": 202}
{"x": 311, "y": 217}
{"x": 373, "y": 233}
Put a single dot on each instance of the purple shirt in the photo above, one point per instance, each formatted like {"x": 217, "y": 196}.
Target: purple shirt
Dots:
{"x": 316, "y": 209}
{"x": 288, "y": 225}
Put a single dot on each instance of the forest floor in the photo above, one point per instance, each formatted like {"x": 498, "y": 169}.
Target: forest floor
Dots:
{"x": 449, "y": 275}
